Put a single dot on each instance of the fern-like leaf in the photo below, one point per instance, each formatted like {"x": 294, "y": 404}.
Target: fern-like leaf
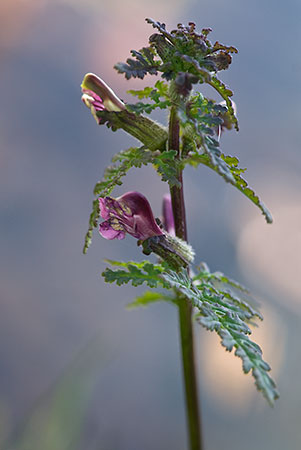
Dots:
{"x": 236, "y": 180}
{"x": 158, "y": 94}
{"x": 225, "y": 93}
{"x": 135, "y": 273}
{"x": 228, "y": 319}
{"x": 167, "y": 166}
{"x": 142, "y": 63}
{"x": 218, "y": 310}
{"x": 94, "y": 216}
{"x": 219, "y": 282}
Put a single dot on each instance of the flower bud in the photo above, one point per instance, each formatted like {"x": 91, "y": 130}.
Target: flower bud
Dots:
{"x": 106, "y": 107}
{"x": 92, "y": 84}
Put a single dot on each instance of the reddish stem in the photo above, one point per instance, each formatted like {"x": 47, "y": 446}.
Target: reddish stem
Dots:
{"x": 185, "y": 307}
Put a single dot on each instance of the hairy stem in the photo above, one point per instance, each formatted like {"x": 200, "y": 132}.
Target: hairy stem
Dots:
{"x": 185, "y": 307}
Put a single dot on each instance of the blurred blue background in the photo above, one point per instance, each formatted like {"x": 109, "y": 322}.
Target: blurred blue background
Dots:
{"x": 77, "y": 370}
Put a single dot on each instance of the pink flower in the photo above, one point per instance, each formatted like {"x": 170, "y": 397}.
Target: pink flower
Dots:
{"x": 98, "y": 96}
{"x": 131, "y": 213}
{"x": 168, "y": 218}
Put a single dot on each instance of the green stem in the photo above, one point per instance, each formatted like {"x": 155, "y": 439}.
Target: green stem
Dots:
{"x": 185, "y": 307}
{"x": 146, "y": 130}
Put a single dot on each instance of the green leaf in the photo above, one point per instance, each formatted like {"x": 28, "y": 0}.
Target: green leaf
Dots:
{"x": 194, "y": 67}
{"x": 205, "y": 274}
{"x": 134, "y": 157}
{"x": 200, "y": 121}
{"x": 160, "y": 27}
{"x": 150, "y": 297}
{"x": 142, "y": 64}
{"x": 211, "y": 148}
{"x": 135, "y": 273}
{"x": 140, "y": 107}
{"x": 219, "y": 282}
{"x": 160, "y": 91}
{"x": 164, "y": 162}
{"x": 144, "y": 93}
{"x": 218, "y": 310}
{"x": 240, "y": 183}
{"x": 225, "y": 93}
{"x": 227, "y": 318}
{"x": 94, "y": 216}
{"x": 167, "y": 166}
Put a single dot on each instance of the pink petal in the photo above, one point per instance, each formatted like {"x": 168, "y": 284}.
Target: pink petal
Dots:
{"x": 168, "y": 219}
{"x": 104, "y": 212}
{"x": 144, "y": 225}
{"x": 108, "y": 232}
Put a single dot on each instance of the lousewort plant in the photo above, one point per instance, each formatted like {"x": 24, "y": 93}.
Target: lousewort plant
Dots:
{"x": 183, "y": 58}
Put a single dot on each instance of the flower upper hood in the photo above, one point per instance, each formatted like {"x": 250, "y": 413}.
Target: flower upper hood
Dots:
{"x": 131, "y": 213}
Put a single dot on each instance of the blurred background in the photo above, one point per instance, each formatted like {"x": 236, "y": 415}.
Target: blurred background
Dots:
{"x": 77, "y": 370}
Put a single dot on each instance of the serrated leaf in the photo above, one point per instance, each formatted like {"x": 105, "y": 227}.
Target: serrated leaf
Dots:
{"x": 160, "y": 27}
{"x": 158, "y": 92}
{"x": 240, "y": 183}
{"x": 205, "y": 274}
{"x": 229, "y": 49}
{"x": 92, "y": 224}
{"x": 135, "y": 273}
{"x": 200, "y": 120}
{"x": 225, "y": 93}
{"x": 143, "y": 93}
{"x": 211, "y": 148}
{"x": 144, "y": 63}
{"x": 167, "y": 166}
{"x": 140, "y": 107}
{"x": 216, "y": 312}
{"x": 202, "y": 72}
{"x": 226, "y": 286}
{"x": 134, "y": 157}
{"x": 227, "y": 319}
{"x": 162, "y": 88}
